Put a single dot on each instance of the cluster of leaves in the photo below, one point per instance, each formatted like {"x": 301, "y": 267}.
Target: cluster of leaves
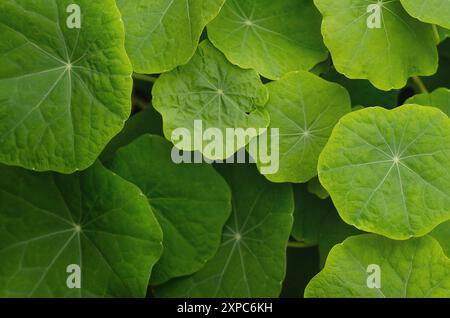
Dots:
{"x": 361, "y": 180}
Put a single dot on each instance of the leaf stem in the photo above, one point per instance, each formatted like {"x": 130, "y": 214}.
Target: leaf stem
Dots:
{"x": 436, "y": 34}
{"x": 420, "y": 85}
{"x": 295, "y": 244}
{"x": 146, "y": 78}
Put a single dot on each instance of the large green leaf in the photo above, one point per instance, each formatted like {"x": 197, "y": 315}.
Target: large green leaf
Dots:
{"x": 214, "y": 91}
{"x": 251, "y": 261}
{"x": 442, "y": 234}
{"x": 92, "y": 219}
{"x": 439, "y": 98}
{"x": 192, "y": 203}
{"x": 387, "y": 56}
{"x": 388, "y": 171}
{"x": 64, "y": 93}
{"x": 413, "y": 268}
{"x": 163, "y": 34}
{"x": 305, "y": 108}
{"x": 272, "y": 37}
{"x": 429, "y": 11}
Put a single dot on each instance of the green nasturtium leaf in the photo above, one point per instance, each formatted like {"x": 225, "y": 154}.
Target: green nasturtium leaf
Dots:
{"x": 192, "y": 202}
{"x": 272, "y": 37}
{"x": 429, "y": 11}
{"x": 93, "y": 219}
{"x": 305, "y": 108}
{"x": 64, "y": 93}
{"x": 440, "y": 98}
{"x": 442, "y": 234}
{"x": 252, "y": 258}
{"x": 416, "y": 268}
{"x": 387, "y": 170}
{"x": 387, "y": 56}
{"x": 211, "y": 90}
{"x": 163, "y": 34}
{"x": 316, "y": 188}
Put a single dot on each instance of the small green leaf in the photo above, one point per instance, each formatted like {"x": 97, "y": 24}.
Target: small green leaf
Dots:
{"x": 251, "y": 261}
{"x": 191, "y": 202}
{"x": 440, "y": 98}
{"x": 429, "y": 11}
{"x": 407, "y": 269}
{"x": 304, "y": 108}
{"x": 163, "y": 34}
{"x": 210, "y": 89}
{"x": 387, "y": 170}
{"x": 92, "y": 219}
{"x": 64, "y": 93}
{"x": 272, "y": 37}
{"x": 387, "y": 56}
{"x": 316, "y": 188}
{"x": 442, "y": 234}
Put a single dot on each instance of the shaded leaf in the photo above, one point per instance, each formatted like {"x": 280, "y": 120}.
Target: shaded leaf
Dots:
{"x": 191, "y": 202}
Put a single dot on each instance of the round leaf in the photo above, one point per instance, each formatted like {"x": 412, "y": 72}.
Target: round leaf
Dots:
{"x": 415, "y": 268}
{"x": 210, "y": 89}
{"x": 251, "y": 261}
{"x": 388, "y": 171}
{"x": 440, "y": 98}
{"x": 64, "y": 93}
{"x": 272, "y": 37}
{"x": 305, "y": 109}
{"x": 162, "y": 34}
{"x": 192, "y": 203}
{"x": 387, "y": 56}
{"x": 429, "y": 11}
{"x": 92, "y": 219}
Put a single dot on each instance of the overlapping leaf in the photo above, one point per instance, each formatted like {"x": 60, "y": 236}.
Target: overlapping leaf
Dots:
{"x": 163, "y": 34}
{"x": 191, "y": 202}
{"x": 304, "y": 108}
{"x": 92, "y": 219}
{"x": 429, "y": 11}
{"x": 211, "y": 90}
{"x": 413, "y": 268}
{"x": 440, "y": 98}
{"x": 272, "y": 37}
{"x": 387, "y": 55}
{"x": 64, "y": 93}
{"x": 388, "y": 171}
{"x": 442, "y": 234}
{"x": 252, "y": 258}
